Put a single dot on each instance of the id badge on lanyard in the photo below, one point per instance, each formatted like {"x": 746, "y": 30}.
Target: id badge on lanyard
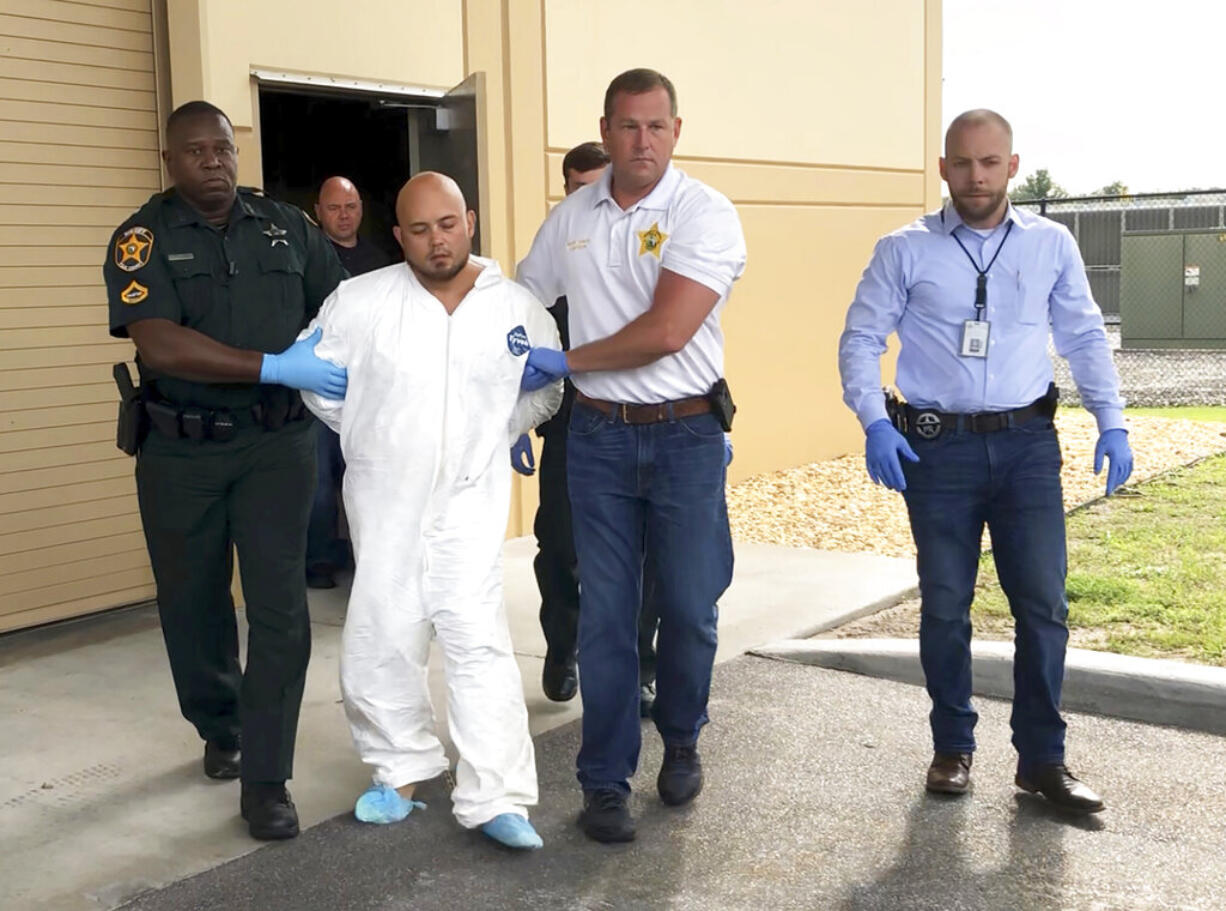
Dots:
{"x": 975, "y": 337}
{"x": 976, "y": 332}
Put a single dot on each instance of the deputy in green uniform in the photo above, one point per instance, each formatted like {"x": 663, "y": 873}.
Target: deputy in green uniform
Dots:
{"x": 206, "y": 279}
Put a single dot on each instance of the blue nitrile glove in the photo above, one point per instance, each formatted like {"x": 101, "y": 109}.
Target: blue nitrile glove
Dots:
{"x": 299, "y": 368}
{"x": 1114, "y": 445}
{"x": 543, "y": 366}
{"x": 522, "y": 459}
{"x": 727, "y": 450}
{"x": 882, "y": 446}
{"x": 533, "y": 379}
{"x": 551, "y": 361}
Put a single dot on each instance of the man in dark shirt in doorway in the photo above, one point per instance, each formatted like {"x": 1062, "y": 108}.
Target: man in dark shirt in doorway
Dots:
{"x": 339, "y": 211}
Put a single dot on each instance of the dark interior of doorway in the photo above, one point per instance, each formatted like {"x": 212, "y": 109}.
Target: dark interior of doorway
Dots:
{"x": 307, "y": 137}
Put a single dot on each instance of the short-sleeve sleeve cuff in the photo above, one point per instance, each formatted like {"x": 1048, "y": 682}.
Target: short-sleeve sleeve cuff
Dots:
{"x": 134, "y": 302}
{"x": 709, "y": 247}
{"x": 705, "y": 277}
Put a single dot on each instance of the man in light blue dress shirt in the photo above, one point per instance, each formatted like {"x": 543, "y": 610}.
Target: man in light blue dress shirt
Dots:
{"x": 973, "y": 291}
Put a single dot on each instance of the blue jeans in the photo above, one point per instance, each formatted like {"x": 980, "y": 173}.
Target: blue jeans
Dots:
{"x": 632, "y": 486}
{"x": 1010, "y": 481}
{"x": 324, "y": 547}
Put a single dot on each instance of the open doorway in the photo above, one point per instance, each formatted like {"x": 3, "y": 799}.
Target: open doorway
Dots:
{"x": 306, "y": 138}
{"x": 378, "y": 141}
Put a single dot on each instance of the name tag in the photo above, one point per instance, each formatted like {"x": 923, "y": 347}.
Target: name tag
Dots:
{"x": 975, "y": 338}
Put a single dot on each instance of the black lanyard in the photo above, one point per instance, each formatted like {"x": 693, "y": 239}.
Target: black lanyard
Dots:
{"x": 981, "y": 283}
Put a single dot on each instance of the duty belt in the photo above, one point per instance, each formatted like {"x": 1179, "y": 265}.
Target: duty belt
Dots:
{"x": 928, "y": 424}
{"x": 647, "y": 414}
{"x": 220, "y": 425}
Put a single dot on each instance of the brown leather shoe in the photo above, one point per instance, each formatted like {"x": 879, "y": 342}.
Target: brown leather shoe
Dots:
{"x": 950, "y": 773}
{"x": 1055, "y": 782}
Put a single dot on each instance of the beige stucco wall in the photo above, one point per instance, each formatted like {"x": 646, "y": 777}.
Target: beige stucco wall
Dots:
{"x": 419, "y": 41}
{"x": 214, "y": 45}
{"x": 818, "y": 118}
{"x": 817, "y": 82}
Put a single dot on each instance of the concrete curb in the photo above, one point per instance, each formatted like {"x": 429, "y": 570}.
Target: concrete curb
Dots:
{"x": 851, "y": 615}
{"x": 1152, "y": 690}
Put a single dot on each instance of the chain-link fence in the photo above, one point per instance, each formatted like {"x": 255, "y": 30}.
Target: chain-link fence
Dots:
{"x": 1157, "y": 267}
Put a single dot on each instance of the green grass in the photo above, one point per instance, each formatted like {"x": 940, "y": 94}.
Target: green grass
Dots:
{"x": 1147, "y": 573}
{"x": 1184, "y": 412}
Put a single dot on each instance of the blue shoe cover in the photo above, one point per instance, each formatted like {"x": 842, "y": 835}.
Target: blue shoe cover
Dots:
{"x": 512, "y": 830}
{"x": 382, "y": 804}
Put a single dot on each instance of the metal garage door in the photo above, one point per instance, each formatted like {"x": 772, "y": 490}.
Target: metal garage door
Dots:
{"x": 78, "y": 152}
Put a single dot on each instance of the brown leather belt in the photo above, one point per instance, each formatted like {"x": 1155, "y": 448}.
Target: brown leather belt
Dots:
{"x": 647, "y": 414}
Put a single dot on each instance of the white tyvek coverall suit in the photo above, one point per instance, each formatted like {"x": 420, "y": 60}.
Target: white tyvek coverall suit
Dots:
{"x": 432, "y": 407}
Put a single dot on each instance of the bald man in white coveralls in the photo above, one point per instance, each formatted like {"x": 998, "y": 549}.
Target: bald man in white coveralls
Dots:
{"x": 435, "y": 348}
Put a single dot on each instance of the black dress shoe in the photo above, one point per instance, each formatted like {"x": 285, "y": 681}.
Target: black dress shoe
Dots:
{"x": 269, "y": 812}
{"x": 680, "y": 777}
{"x": 221, "y": 760}
{"x": 1055, "y": 782}
{"x": 605, "y": 816}
{"x": 950, "y": 773}
{"x": 319, "y": 576}
{"x": 559, "y": 679}
{"x": 647, "y": 698}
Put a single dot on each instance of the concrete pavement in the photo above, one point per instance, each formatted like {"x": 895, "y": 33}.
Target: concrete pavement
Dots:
{"x": 101, "y": 795}
{"x": 814, "y": 800}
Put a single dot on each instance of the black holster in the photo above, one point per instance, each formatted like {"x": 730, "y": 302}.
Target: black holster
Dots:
{"x": 722, "y": 406}
{"x": 896, "y": 411}
{"x": 1051, "y": 400}
{"x": 133, "y": 424}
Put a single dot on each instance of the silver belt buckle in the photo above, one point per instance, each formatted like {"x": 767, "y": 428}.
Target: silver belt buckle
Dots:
{"x": 927, "y": 425}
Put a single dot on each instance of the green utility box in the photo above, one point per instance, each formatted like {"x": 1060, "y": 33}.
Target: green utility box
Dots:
{"x": 1173, "y": 289}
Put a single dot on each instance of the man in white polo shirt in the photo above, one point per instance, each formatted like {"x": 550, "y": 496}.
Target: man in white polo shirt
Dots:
{"x": 646, "y": 257}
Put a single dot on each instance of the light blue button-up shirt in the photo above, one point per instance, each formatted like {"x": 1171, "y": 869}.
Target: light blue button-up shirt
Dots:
{"x": 920, "y": 283}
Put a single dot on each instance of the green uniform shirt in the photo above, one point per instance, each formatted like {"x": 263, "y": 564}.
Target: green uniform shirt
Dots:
{"x": 253, "y": 284}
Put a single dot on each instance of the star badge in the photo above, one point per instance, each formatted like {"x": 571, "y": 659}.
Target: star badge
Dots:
{"x": 133, "y": 248}
{"x": 275, "y": 235}
{"x": 651, "y": 240}
{"x": 134, "y": 293}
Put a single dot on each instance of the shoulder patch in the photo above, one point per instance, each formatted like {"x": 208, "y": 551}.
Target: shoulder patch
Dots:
{"x": 517, "y": 341}
{"x": 133, "y": 248}
{"x": 134, "y": 293}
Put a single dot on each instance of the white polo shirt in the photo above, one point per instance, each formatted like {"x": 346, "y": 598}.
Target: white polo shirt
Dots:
{"x": 607, "y": 261}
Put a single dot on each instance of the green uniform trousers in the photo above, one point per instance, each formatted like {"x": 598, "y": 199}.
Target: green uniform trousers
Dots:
{"x": 198, "y": 502}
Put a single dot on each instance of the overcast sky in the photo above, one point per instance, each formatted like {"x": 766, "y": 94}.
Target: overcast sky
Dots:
{"x": 1097, "y": 90}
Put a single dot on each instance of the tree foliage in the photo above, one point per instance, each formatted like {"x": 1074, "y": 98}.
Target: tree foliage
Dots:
{"x": 1038, "y": 185}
